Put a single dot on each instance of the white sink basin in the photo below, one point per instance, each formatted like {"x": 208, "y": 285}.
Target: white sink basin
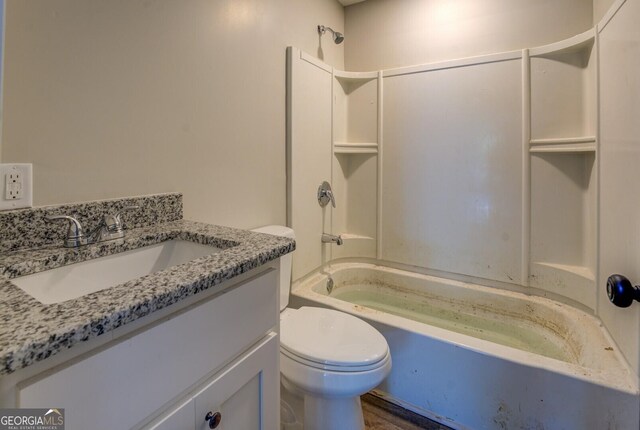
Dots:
{"x": 76, "y": 280}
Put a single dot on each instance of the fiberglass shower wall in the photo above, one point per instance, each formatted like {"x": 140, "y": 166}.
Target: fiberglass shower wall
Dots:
{"x": 452, "y": 170}
{"x": 462, "y": 168}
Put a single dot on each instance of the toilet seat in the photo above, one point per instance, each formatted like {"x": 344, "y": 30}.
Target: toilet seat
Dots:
{"x": 334, "y": 368}
{"x": 331, "y": 340}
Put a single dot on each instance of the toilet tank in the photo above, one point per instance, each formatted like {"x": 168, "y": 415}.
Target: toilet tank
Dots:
{"x": 285, "y": 260}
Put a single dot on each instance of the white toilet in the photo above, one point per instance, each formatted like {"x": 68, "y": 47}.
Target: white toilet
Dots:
{"x": 327, "y": 360}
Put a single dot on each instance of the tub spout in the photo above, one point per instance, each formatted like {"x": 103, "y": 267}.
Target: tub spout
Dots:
{"x": 329, "y": 238}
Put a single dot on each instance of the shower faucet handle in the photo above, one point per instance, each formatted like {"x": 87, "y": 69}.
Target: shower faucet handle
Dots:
{"x": 325, "y": 195}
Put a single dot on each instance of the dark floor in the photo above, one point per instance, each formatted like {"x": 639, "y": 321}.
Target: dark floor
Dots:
{"x": 382, "y": 415}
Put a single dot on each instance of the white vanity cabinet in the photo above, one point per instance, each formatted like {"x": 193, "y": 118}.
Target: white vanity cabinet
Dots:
{"x": 218, "y": 354}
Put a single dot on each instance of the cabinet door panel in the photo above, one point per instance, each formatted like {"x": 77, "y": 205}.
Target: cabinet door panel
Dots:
{"x": 246, "y": 394}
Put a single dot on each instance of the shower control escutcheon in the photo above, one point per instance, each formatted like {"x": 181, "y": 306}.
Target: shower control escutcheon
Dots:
{"x": 325, "y": 195}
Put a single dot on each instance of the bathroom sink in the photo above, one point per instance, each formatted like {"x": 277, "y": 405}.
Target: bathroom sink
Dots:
{"x": 76, "y": 280}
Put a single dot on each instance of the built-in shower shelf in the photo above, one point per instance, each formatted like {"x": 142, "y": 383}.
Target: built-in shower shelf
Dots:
{"x": 576, "y": 43}
{"x": 563, "y": 140}
{"x": 355, "y": 148}
{"x": 355, "y": 245}
{"x": 351, "y": 236}
{"x": 574, "y": 282}
{"x": 579, "y": 271}
{"x": 354, "y": 76}
{"x": 564, "y": 145}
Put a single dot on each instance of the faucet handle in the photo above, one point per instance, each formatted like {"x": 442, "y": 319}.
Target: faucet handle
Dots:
{"x": 325, "y": 195}
{"x": 113, "y": 223}
{"x": 75, "y": 235}
{"x": 333, "y": 200}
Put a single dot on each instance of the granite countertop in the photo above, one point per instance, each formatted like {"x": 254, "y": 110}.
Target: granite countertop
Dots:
{"x": 32, "y": 331}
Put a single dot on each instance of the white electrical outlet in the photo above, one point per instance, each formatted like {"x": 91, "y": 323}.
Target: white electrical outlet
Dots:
{"x": 13, "y": 186}
{"x": 18, "y": 186}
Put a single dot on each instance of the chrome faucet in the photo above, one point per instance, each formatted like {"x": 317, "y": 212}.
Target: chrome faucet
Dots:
{"x": 330, "y": 238}
{"x": 110, "y": 228}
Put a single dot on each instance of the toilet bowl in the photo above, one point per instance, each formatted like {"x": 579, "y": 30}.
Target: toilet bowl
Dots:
{"x": 328, "y": 359}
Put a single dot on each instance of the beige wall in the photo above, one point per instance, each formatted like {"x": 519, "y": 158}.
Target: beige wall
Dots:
{"x": 390, "y": 33}
{"x": 113, "y": 98}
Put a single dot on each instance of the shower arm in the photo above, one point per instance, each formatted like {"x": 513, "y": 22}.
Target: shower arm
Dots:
{"x": 337, "y": 36}
{"x": 322, "y": 29}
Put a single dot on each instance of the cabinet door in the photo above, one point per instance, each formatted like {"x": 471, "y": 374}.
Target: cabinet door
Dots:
{"x": 247, "y": 394}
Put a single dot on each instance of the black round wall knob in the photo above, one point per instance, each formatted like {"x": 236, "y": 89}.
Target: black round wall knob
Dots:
{"x": 213, "y": 419}
{"x": 621, "y": 292}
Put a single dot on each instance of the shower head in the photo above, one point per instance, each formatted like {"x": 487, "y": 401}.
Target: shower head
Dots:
{"x": 337, "y": 36}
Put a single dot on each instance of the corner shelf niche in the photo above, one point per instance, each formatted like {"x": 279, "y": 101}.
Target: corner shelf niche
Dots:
{"x": 563, "y": 224}
{"x": 355, "y": 106}
{"x": 563, "y": 91}
{"x": 354, "y": 180}
{"x": 563, "y": 155}
{"x": 355, "y": 163}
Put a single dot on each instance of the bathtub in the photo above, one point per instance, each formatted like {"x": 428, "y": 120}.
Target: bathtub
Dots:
{"x": 475, "y": 357}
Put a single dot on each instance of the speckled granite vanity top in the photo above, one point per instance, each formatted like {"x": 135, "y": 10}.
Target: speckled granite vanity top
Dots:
{"x": 32, "y": 331}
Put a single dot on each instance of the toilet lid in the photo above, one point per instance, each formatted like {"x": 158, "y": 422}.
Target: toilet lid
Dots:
{"x": 330, "y": 337}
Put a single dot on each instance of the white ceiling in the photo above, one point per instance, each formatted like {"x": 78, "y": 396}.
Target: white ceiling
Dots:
{"x": 348, "y": 2}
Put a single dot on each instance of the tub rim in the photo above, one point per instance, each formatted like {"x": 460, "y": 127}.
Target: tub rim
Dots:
{"x": 620, "y": 377}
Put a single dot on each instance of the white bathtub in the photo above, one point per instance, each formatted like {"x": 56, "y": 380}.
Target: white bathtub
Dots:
{"x": 475, "y": 357}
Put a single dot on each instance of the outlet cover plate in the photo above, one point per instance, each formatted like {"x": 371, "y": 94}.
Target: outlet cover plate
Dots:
{"x": 25, "y": 172}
